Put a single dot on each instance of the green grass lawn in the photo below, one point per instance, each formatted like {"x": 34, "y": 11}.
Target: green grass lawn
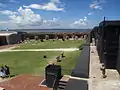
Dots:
{"x": 34, "y": 63}
{"x": 69, "y": 62}
{"x": 50, "y": 44}
{"x": 26, "y": 62}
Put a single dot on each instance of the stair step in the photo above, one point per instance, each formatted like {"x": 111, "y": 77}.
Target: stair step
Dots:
{"x": 63, "y": 81}
{"x": 60, "y": 87}
{"x": 62, "y": 84}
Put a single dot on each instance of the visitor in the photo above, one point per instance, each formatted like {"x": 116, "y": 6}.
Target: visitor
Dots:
{"x": 103, "y": 70}
{"x": 58, "y": 58}
{"x": 2, "y": 69}
{"x": 62, "y": 54}
{"x": 2, "y": 73}
{"x": 7, "y": 71}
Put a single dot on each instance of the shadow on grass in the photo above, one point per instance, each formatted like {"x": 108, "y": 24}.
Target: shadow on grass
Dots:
{"x": 8, "y": 76}
{"x": 63, "y": 56}
{"x": 12, "y": 75}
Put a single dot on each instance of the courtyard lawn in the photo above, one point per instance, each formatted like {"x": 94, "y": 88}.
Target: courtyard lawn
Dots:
{"x": 34, "y": 63}
{"x": 49, "y": 44}
{"x": 26, "y": 62}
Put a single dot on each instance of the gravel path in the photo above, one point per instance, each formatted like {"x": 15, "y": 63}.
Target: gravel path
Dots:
{"x": 58, "y": 49}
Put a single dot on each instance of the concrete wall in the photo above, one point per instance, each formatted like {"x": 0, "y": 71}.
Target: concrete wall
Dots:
{"x": 118, "y": 59}
{"x": 13, "y": 39}
{"x": 3, "y": 40}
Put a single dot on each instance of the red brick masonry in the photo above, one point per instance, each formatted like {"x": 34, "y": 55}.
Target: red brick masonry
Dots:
{"x": 23, "y": 82}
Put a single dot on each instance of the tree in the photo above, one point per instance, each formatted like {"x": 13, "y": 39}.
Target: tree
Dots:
{"x": 56, "y": 37}
{"x": 76, "y": 37}
{"x": 73, "y": 36}
{"x": 67, "y": 37}
{"x": 36, "y": 37}
{"x": 63, "y": 38}
{"x": 46, "y": 37}
{"x": 28, "y": 39}
{"x": 41, "y": 40}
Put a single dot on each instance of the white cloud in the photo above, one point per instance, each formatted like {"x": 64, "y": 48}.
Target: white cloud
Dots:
{"x": 7, "y": 12}
{"x": 50, "y": 6}
{"x": 53, "y": 22}
{"x": 55, "y": 1}
{"x": 3, "y": 22}
{"x": 96, "y": 4}
{"x": 2, "y": 5}
{"x": 81, "y": 22}
{"x": 23, "y": 17}
{"x": 26, "y": 17}
{"x": 90, "y": 13}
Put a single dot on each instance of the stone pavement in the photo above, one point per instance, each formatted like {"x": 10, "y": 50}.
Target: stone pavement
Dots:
{"x": 96, "y": 82}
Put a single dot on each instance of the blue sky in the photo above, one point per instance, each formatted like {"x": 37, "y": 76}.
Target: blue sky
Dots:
{"x": 56, "y": 13}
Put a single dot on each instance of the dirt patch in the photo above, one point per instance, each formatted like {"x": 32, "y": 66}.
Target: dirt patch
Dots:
{"x": 7, "y": 46}
{"x": 23, "y": 82}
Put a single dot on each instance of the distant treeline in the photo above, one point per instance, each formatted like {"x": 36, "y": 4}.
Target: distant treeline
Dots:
{"x": 55, "y": 35}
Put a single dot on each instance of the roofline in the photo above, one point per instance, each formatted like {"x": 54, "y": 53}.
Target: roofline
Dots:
{"x": 7, "y": 34}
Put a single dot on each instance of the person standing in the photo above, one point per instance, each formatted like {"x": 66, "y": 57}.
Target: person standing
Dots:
{"x": 62, "y": 54}
{"x": 2, "y": 72}
{"x": 103, "y": 71}
{"x": 7, "y": 71}
{"x": 58, "y": 58}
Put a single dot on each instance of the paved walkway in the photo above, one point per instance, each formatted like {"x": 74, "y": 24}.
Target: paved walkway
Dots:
{"x": 96, "y": 82}
{"x": 57, "y": 49}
